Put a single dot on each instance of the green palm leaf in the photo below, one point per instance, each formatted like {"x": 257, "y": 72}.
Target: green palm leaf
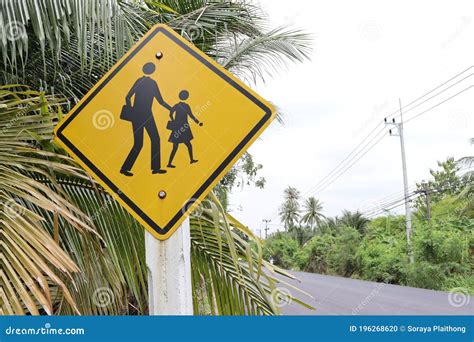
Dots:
{"x": 31, "y": 260}
{"x": 98, "y": 265}
{"x": 67, "y": 45}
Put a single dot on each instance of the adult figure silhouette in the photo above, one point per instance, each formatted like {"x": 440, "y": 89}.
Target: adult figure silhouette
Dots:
{"x": 145, "y": 90}
{"x": 180, "y": 129}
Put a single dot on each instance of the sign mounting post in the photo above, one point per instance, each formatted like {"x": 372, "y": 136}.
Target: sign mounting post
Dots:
{"x": 169, "y": 273}
{"x": 158, "y": 132}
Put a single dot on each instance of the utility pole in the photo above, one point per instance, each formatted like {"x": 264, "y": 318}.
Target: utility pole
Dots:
{"x": 428, "y": 205}
{"x": 266, "y": 227}
{"x": 400, "y": 133}
{"x": 427, "y": 192}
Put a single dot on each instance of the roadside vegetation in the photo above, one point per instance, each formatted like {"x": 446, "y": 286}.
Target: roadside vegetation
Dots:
{"x": 66, "y": 246}
{"x": 352, "y": 245}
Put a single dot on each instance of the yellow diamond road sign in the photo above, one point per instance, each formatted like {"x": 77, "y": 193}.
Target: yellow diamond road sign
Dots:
{"x": 161, "y": 128}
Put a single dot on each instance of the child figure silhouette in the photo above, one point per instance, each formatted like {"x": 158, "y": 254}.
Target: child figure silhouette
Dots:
{"x": 180, "y": 128}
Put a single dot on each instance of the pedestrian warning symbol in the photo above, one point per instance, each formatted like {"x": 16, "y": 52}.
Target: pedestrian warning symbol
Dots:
{"x": 162, "y": 127}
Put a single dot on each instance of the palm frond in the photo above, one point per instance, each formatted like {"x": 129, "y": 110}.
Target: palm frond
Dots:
{"x": 254, "y": 58}
{"x": 228, "y": 276}
{"x": 66, "y": 46}
{"x": 32, "y": 262}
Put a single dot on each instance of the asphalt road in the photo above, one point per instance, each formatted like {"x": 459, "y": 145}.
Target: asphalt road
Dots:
{"x": 343, "y": 296}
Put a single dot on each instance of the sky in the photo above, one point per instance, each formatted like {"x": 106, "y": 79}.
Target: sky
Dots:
{"x": 366, "y": 56}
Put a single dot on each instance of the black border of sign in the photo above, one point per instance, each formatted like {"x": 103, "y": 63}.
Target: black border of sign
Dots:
{"x": 212, "y": 177}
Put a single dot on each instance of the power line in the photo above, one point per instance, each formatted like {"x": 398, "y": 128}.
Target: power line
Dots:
{"x": 394, "y": 204}
{"x": 433, "y": 90}
{"x": 327, "y": 178}
{"x": 347, "y": 157}
{"x": 413, "y": 194}
{"x": 366, "y": 149}
{"x": 330, "y": 180}
{"x": 349, "y": 161}
{"x": 389, "y": 206}
{"x": 395, "y": 197}
{"x": 440, "y": 103}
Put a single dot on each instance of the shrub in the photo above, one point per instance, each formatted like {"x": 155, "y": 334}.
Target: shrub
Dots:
{"x": 281, "y": 248}
{"x": 342, "y": 255}
{"x": 382, "y": 260}
{"x": 313, "y": 257}
{"x": 425, "y": 275}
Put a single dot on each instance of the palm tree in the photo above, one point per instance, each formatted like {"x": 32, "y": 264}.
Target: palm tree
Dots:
{"x": 70, "y": 44}
{"x": 355, "y": 220}
{"x": 290, "y": 209}
{"x": 289, "y": 214}
{"x": 466, "y": 163}
{"x": 70, "y": 243}
{"x": 291, "y": 194}
{"x": 312, "y": 213}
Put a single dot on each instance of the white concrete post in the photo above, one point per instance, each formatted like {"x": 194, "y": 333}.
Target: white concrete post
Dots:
{"x": 169, "y": 273}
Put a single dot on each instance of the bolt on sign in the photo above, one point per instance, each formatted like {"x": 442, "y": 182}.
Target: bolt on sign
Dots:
{"x": 162, "y": 127}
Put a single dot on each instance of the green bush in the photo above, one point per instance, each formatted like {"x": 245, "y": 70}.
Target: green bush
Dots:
{"x": 382, "y": 254}
{"x": 313, "y": 256}
{"x": 443, "y": 249}
{"x": 281, "y": 248}
{"x": 425, "y": 275}
{"x": 438, "y": 246}
{"x": 382, "y": 261}
{"x": 342, "y": 256}
{"x": 459, "y": 281}
{"x": 327, "y": 253}
{"x": 443, "y": 254}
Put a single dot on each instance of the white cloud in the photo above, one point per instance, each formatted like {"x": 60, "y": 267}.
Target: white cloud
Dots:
{"x": 367, "y": 54}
